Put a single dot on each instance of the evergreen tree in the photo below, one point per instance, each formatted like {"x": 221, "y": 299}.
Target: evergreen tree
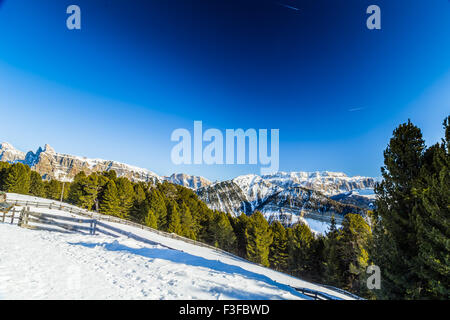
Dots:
{"x": 332, "y": 273}
{"x": 174, "y": 218}
{"x": 395, "y": 243}
{"x": 4, "y": 168}
{"x": 353, "y": 242}
{"x": 240, "y": 225}
{"x": 17, "y": 179}
{"x": 126, "y": 196}
{"x": 151, "y": 220}
{"x": 259, "y": 238}
{"x": 158, "y": 207}
{"x": 221, "y": 232}
{"x": 83, "y": 191}
{"x": 53, "y": 189}
{"x": 109, "y": 204}
{"x": 300, "y": 252}
{"x": 37, "y": 188}
{"x": 187, "y": 222}
{"x": 139, "y": 211}
{"x": 433, "y": 222}
{"x": 278, "y": 249}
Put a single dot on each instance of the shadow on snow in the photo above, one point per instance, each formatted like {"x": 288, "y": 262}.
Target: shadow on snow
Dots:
{"x": 192, "y": 260}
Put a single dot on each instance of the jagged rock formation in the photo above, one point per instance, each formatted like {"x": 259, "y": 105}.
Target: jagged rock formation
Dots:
{"x": 52, "y": 165}
{"x": 9, "y": 154}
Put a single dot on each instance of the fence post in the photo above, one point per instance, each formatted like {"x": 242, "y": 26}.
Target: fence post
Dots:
{"x": 12, "y": 217}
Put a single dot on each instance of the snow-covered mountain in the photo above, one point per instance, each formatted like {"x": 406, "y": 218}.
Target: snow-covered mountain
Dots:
{"x": 289, "y": 197}
{"x": 52, "y": 165}
{"x": 10, "y": 154}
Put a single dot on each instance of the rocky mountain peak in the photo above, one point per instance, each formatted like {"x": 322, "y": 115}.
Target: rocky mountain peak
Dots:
{"x": 48, "y": 149}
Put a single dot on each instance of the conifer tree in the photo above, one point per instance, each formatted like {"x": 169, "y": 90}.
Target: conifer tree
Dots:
{"x": 53, "y": 189}
{"x": 259, "y": 238}
{"x": 4, "y": 167}
{"x": 17, "y": 179}
{"x": 221, "y": 232}
{"x": 332, "y": 273}
{"x": 140, "y": 208}
{"x": 187, "y": 222}
{"x": 433, "y": 222}
{"x": 240, "y": 225}
{"x": 173, "y": 217}
{"x": 158, "y": 207}
{"x": 395, "y": 243}
{"x": 126, "y": 196}
{"x": 353, "y": 242}
{"x": 109, "y": 204}
{"x": 151, "y": 220}
{"x": 278, "y": 249}
{"x": 300, "y": 253}
{"x": 36, "y": 185}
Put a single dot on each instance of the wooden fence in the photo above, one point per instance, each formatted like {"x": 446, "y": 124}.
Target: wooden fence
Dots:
{"x": 102, "y": 217}
{"x": 51, "y": 222}
{"x": 8, "y": 215}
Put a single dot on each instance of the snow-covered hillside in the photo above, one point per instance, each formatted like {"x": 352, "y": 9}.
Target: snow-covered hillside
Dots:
{"x": 51, "y": 265}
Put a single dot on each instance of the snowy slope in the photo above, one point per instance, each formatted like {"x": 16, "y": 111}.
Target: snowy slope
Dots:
{"x": 51, "y": 265}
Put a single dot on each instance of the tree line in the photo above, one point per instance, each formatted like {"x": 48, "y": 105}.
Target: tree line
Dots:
{"x": 407, "y": 236}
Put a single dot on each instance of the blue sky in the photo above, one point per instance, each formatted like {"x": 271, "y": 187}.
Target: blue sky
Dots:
{"x": 140, "y": 69}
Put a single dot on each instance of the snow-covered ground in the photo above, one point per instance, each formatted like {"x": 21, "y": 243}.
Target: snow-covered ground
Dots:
{"x": 51, "y": 265}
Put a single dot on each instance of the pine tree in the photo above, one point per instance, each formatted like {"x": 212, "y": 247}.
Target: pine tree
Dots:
{"x": 300, "y": 239}
{"x": 110, "y": 203}
{"x": 140, "y": 208}
{"x": 332, "y": 273}
{"x": 37, "y": 188}
{"x": 433, "y": 222}
{"x": 17, "y": 179}
{"x": 126, "y": 196}
{"x": 53, "y": 189}
{"x": 187, "y": 222}
{"x": 240, "y": 225}
{"x": 221, "y": 232}
{"x": 151, "y": 220}
{"x": 278, "y": 249}
{"x": 174, "y": 218}
{"x": 353, "y": 242}
{"x": 395, "y": 242}
{"x": 259, "y": 238}
{"x": 4, "y": 168}
{"x": 83, "y": 191}
{"x": 158, "y": 207}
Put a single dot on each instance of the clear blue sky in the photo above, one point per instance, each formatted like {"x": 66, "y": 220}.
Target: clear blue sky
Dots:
{"x": 140, "y": 69}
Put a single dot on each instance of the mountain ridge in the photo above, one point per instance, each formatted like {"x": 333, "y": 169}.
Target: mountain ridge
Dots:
{"x": 285, "y": 196}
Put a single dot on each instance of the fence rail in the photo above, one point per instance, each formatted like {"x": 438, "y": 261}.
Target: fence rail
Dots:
{"x": 10, "y": 213}
{"x": 51, "y": 222}
{"x": 101, "y": 217}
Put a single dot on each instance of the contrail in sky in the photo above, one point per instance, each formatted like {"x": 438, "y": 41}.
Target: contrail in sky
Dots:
{"x": 288, "y": 6}
{"x": 355, "y": 109}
